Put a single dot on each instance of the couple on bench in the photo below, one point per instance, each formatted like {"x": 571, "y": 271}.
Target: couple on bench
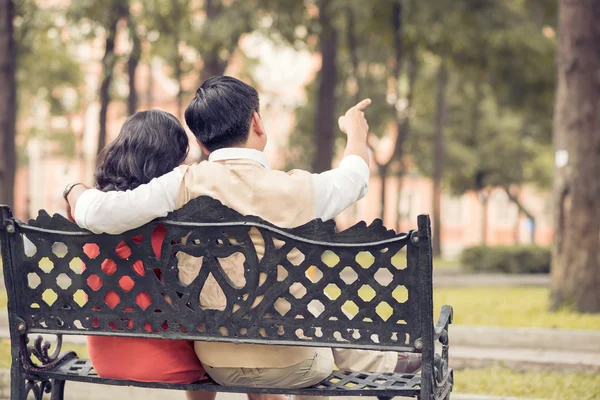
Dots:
{"x": 142, "y": 177}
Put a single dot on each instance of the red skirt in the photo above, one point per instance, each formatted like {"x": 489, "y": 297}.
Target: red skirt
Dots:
{"x": 139, "y": 359}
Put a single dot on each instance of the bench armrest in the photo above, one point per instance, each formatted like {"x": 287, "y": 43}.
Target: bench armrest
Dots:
{"x": 441, "y": 327}
{"x": 443, "y": 375}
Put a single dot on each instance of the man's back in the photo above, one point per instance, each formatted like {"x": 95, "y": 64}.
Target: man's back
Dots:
{"x": 250, "y": 187}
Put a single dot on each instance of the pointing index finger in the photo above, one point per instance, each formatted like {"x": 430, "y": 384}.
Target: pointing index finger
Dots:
{"x": 363, "y": 104}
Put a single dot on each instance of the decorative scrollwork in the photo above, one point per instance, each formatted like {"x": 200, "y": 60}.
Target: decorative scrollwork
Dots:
{"x": 38, "y": 388}
{"x": 41, "y": 351}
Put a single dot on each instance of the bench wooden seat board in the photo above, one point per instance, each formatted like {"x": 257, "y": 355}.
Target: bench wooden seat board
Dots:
{"x": 366, "y": 287}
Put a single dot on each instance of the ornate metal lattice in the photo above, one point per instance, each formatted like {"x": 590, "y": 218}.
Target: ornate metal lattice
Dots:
{"x": 366, "y": 287}
{"x": 336, "y": 288}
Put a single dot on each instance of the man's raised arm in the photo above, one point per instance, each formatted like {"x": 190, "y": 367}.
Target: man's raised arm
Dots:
{"x": 116, "y": 212}
{"x": 339, "y": 188}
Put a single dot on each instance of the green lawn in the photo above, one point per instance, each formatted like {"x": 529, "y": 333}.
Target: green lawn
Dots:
{"x": 512, "y": 307}
{"x": 499, "y": 381}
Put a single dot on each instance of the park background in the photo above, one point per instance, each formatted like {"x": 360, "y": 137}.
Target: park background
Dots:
{"x": 466, "y": 125}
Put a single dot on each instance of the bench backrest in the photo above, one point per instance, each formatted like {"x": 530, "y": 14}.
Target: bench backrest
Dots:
{"x": 363, "y": 287}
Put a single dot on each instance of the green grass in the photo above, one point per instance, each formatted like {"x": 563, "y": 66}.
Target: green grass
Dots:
{"x": 499, "y": 381}
{"x": 80, "y": 349}
{"x": 509, "y": 307}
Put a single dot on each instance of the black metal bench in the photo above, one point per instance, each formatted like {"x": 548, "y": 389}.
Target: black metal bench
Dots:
{"x": 356, "y": 295}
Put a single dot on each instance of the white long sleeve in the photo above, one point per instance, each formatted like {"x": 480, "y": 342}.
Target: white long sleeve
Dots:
{"x": 117, "y": 212}
{"x": 339, "y": 188}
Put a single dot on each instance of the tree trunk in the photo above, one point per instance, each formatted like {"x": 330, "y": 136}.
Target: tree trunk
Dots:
{"x": 109, "y": 61}
{"x": 8, "y": 103}
{"x": 402, "y": 122}
{"x": 353, "y": 52}
{"x": 178, "y": 72}
{"x": 438, "y": 159}
{"x": 484, "y": 197}
{"x": 213, "y": 65}
{"x": 383, "y": 174}
{"x": 399, "y": 210}
{"x": 132, "y": 64}
{"x": 178, "y": 75}
{"x": 515, "y": 199}
{"x": 352, "y": 49}
{"x": 325, "y": 113}
{"x": 575, "y": 258}
{"x": 517, "y": 227}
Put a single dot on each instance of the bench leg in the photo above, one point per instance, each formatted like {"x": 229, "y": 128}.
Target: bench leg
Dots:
{"x": 18, "y": 385}
{"x": 58, "y": 390}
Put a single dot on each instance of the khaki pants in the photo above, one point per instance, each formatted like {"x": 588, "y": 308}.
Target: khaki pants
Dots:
{"x": 307, "y": 373}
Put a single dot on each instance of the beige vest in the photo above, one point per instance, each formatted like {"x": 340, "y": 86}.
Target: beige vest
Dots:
{"x": 284, "y": 199}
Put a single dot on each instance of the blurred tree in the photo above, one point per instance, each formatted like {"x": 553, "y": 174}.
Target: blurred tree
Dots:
{"x": 104, "y": 18}
{"x": 133, "y": 62}
{"x": 362, "y": 70}
{"x": 183, "y": 32}
{"x": 438, "y": 157}
{"x": 576, "y": 259}
{"x": 49, "y": 78}
{"x": 326, "y": 106}
{"x": 8, "y": 102}
{"x": 169, "y": 24}
{"x": 401, "y": 105}
{"x": 113, "y": 12}
{"x": 497, "y": 132}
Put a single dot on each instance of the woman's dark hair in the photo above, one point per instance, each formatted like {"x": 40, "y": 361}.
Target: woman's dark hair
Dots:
{"x": 150, "y": 144}
{"x": 221, "y": 112}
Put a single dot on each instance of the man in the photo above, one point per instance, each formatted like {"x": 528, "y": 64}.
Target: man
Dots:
{"x": 224, "y": 117}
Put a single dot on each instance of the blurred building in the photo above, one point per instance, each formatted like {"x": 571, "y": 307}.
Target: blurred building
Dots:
{"x": 281, "y": 74}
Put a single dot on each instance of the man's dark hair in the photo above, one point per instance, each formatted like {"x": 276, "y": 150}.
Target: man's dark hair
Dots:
{"x": 221, "y": 112}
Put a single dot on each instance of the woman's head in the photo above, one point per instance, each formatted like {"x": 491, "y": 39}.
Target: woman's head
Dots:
{"x": 150, "y": 144}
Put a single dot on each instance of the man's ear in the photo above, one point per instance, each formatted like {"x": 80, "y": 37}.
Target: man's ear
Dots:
{"x": 204, "y": 149}
{"x": 257, "y": 124}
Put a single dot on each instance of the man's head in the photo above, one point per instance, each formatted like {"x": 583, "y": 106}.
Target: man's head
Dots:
{"x": 224, "y": 113}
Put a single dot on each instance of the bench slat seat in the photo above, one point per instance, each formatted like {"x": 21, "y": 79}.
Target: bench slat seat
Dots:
{"x": 340, "y": 383}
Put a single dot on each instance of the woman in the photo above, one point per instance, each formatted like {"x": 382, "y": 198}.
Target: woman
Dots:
{"x": 150, "y": 144}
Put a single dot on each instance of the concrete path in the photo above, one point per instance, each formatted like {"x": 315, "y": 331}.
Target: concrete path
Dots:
{"x": 530, "y": 338}
{"x": 441, "y": 279}
{"x": 524, "y": 359}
